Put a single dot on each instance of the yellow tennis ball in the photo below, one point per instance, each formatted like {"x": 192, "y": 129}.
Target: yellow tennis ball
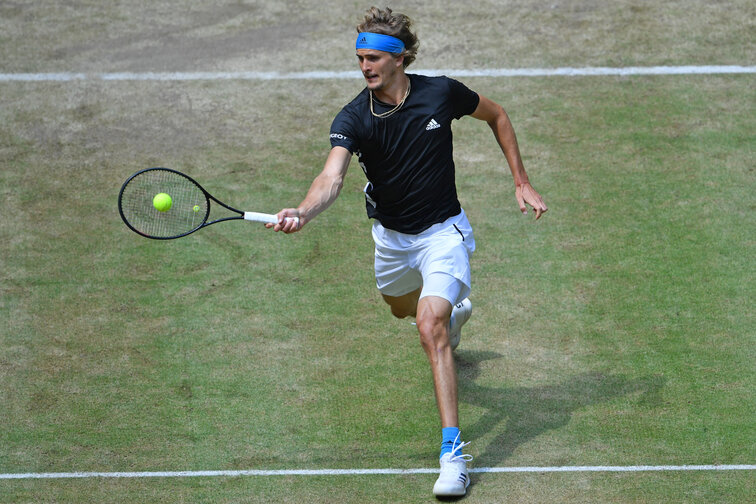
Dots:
{"x": 196, "y": 208}
{"x": 162, "y": 202}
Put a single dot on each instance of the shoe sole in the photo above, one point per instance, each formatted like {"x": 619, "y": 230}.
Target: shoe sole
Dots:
{"x": 454, "y": 338}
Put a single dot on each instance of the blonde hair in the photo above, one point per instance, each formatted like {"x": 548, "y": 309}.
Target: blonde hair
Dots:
{"x": 396, "y": 25}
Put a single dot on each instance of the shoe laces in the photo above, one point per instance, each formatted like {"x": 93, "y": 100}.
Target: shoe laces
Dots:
{"x": 454, "y": 458}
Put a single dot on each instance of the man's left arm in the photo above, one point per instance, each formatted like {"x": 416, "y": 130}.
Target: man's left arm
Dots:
{"x": 498, "y": 120}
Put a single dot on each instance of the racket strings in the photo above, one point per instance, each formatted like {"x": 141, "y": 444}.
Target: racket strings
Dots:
{"x": 188, "y": 210}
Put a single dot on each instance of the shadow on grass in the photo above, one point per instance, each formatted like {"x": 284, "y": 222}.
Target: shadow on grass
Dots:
{"x": 531, "y": 411}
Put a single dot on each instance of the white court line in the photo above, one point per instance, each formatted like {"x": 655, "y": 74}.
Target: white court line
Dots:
{"x": 360, "y": 472}
{"x": 272, "y": 76}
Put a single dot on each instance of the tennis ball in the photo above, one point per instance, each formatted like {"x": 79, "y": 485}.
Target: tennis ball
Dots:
{"x": 196, "y": 208}
{"x": 162, "y": 202}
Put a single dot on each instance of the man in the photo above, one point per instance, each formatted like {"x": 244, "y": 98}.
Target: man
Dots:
{"x": 399, "y": 127}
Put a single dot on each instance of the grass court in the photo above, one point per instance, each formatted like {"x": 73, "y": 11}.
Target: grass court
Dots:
{"x": 618, "y": 330}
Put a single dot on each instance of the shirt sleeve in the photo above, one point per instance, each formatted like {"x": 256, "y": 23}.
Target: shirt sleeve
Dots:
{"x": 464, "y": 99}
{"x": 344, "y": 132}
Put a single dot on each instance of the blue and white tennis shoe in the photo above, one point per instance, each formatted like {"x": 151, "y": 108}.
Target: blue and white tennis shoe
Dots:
{"x": 454, "y": 478}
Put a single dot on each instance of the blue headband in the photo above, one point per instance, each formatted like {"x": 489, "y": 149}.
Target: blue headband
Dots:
{"x": 379, "y": 42}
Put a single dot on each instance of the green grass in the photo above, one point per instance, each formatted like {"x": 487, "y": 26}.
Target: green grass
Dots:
{"x": 617, "y": 330}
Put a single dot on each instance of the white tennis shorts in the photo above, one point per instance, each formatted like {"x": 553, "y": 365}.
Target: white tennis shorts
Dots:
{"x": 438, "y": 260}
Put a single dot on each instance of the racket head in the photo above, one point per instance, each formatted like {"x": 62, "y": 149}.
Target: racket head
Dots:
{"x": 189, "y": 210}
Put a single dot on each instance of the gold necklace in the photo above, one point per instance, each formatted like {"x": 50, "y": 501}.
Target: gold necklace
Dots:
{"x": 386, "y": 114}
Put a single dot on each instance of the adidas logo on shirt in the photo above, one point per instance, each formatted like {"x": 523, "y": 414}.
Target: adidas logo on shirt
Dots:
{"x": 432, "y": 125}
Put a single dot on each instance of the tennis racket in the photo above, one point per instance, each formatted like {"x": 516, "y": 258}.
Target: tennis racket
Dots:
{"x": 163, "y": 204}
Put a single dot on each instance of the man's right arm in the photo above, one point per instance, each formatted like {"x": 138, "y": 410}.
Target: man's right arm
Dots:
{"x": 323, "y": 192}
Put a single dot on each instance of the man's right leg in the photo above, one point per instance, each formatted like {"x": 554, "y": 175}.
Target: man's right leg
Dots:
{"x": 403, "y": 306}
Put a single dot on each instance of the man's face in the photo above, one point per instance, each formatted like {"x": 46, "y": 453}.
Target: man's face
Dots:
{"x": 379, "y": 68}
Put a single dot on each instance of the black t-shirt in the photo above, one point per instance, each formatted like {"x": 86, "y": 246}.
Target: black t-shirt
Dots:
{"x": 407, "y": 156}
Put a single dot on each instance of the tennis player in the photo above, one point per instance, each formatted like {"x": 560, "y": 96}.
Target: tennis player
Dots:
{"x": 399, "y": 127}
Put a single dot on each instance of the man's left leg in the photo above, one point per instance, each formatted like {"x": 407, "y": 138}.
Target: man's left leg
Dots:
{"x": 433, "y": 315}
{"x": 432, "y": 318}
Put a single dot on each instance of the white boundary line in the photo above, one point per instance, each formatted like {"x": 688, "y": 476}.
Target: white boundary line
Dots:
{"x": 273, "y": 76}
{"x": 360, "y": 472}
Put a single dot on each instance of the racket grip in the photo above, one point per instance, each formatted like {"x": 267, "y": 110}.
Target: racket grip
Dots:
{"x": 263, "y": 217}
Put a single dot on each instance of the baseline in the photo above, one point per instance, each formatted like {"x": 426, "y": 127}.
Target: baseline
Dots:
{"x": 328, "y": 75}
{"x": 362, "y": 472}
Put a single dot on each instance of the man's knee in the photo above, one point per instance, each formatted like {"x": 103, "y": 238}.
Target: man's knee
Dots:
{"x": 433, "y": 322}
{"x": 434, "y": 332}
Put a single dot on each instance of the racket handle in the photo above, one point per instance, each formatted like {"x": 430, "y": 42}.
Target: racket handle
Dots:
{"x": 263, "y": 217}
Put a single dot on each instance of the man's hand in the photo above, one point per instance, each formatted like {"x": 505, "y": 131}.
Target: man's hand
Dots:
{"x": 526, "y": 194}
{"x": 289, "y": 221}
